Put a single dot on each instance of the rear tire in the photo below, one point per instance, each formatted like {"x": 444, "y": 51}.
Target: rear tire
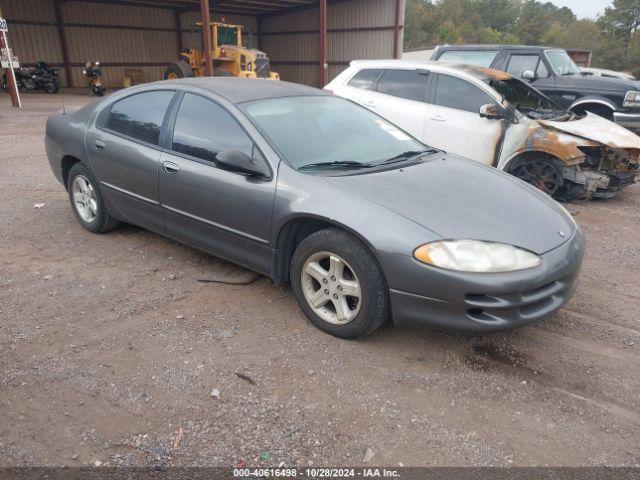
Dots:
{"x": 338, "y": 273}
{"x": 180, "y": 69}
{"x": 52, "y": 88}
{"x": 86, "y": 201}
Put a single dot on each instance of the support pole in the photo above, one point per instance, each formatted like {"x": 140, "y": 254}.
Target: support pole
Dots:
{"x": 11, "y": 75}
{"x": 206, "y": 37}
{"x": 177, "y": 20}
{"x": 62, "y": 35}
{"x": 396, "y": 32}
{"x": 324, "y": 66}
{"x": 259, "y": 33}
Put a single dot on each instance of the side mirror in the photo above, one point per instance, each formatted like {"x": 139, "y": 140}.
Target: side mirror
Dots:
{"x": 235, "y": 161}
{"x": 491, "y": 111}
{"x": 529, "y": 75}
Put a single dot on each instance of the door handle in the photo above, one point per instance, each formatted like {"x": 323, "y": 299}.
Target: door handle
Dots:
{"x": 99, "y": 145}
{"x": 170, "y": 168}
{"x": 438, "y": 118}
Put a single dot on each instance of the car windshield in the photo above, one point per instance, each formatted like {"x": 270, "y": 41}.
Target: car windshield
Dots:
{"x": 525, "y": 99}
{"x": 562, "y": 63}
{"x": 329, "y": 132}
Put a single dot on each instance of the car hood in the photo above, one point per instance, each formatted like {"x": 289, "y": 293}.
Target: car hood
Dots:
{"x": 598, "y": 84}
{"x": 461, "y": 199}
{"x": 597, "y": 129}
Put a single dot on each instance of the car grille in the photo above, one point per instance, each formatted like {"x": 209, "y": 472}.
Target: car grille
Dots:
{"x": 527, "y": 304}
{"x": 263, "y": 69}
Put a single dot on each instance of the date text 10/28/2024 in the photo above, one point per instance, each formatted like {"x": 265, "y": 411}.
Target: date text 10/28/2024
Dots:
{"x": 315, "y": 473}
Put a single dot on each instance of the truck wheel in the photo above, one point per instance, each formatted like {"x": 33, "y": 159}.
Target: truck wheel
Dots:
{"x": 221, "y": 72}
{"x": 176, "y": 70}
{"x": 599, "y": 110}
{"x": 338, "y": 284}
{"x": 86, "y": 201}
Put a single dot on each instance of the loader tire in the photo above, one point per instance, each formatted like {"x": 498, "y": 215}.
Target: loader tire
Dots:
{"x": 180, "y": 69}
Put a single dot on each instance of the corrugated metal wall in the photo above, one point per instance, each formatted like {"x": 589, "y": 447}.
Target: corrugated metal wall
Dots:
{"x": 360, "y": 29}
{"x": 123, "y": 36}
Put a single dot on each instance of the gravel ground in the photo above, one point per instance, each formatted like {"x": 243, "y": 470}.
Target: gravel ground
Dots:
{"x": 110, "y": 351}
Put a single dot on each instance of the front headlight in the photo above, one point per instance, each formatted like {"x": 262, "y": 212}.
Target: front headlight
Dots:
{"x": 632, "y": 99}
{"x": 476, "y": 256}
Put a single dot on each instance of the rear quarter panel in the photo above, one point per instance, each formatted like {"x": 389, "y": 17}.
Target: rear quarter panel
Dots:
{"x": 64, "y": 137}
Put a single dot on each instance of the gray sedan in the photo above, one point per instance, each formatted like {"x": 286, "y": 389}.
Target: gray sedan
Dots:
{"x": 365, "y": 222}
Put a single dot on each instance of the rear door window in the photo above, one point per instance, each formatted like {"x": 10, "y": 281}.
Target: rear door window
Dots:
{"x": 364, "y": 78}
{"x": 140, "y": 116}
{"x": 408, "y": 84}
{"x": 203, "y": 129}
{"x": 481, "y": 58}
{"x": 456, "y": 93}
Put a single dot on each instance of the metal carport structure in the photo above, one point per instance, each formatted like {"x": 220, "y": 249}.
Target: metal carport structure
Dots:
{"x": 308, "y": 41}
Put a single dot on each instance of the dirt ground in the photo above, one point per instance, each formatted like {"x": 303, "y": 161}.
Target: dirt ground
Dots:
{"x": 110, "y": 347}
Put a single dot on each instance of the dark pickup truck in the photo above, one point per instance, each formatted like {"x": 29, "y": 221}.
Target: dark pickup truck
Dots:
{"x": 552, "y": 71}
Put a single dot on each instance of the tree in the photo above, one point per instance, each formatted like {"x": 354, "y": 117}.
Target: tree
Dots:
{"x": 614, "y": 38}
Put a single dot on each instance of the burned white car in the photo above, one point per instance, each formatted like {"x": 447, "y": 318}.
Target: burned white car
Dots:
{"x": 494, "y": 118}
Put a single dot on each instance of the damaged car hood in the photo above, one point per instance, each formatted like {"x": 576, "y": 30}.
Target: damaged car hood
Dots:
{"x": 596, "y": 129}
{"x": 479, "y": 202}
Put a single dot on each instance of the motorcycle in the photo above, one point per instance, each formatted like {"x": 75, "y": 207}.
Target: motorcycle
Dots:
{"x": 42, "y": 77}
{"x": 93, "y": 73}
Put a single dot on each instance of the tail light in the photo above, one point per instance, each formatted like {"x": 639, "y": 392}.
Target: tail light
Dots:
{"x": 223, "y": 52}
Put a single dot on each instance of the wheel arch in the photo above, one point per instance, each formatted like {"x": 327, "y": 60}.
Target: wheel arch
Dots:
{"x": 294, "y": 230}
{"x": 67, "y": 162}
{"x": 581, "y": 104}
{"x": 511, "y": 161}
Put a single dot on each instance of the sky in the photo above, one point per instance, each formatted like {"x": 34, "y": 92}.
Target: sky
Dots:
{"x": 584, "y": 8}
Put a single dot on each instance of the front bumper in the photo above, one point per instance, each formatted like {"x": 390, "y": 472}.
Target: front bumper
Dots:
{"x": 481, "y": 303}
{"x": 629, "y": 120}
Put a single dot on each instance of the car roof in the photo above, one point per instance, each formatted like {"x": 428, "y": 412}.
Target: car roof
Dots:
{"x": 481, "y": 73}
{"x": 495, "y": 47}
{"x": 238, "y": 90}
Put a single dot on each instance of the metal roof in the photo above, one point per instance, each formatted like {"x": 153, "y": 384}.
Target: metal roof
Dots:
{"x": 239, "y": 7}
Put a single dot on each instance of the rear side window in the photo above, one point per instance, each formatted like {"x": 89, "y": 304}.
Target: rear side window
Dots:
{"x": 518, "y": 64}
{"x": 364, "y": 78}
{"x": 455, "y": 93}
{"x": 481, "y": 58}
{"x": 407, "y": 84}
{"x": 140, "y": 116}
{"x": 203, "y": 129}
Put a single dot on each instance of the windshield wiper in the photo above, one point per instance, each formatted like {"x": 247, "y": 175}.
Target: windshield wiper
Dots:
{"x": 406, "y": 155}
{"x": 336, "y": 164}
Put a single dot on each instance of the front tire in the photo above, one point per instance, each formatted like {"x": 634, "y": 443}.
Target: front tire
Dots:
{"x": 539, "y": 170}
{"x": 338, "y": 284}
{"x": 179, "y": 69}
{"x": 86, "y": 201}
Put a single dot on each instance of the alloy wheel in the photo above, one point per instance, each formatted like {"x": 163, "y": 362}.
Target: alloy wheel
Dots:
{"x": 84, "y": 199}
{"x": 331, "y": 288}
{"x": 540, "y": 174}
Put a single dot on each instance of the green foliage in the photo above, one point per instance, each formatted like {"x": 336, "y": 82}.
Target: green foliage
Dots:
{"x": 613, "y": 39}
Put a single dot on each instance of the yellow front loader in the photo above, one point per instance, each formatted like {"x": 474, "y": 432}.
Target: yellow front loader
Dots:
{"x": 229, "y": 57}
